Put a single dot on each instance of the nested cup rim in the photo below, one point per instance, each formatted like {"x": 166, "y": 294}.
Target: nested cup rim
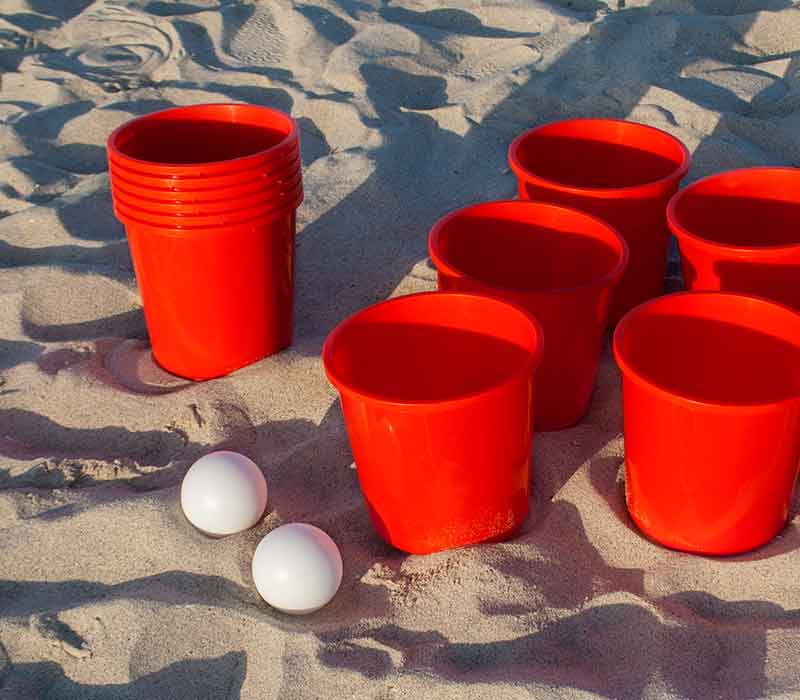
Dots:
{"x": 185, "y": 225}
{"x": 203, "y": 183}
{"x": 229, "y": 204}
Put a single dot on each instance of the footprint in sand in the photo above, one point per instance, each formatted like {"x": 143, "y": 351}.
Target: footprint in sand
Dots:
{"x": 117, "y": 46}
{"x": 77, "y": 473}
{"x": 742, "y": 89}
{"x": 60, "y": 635}
{"x": 131, "y": 364}
{"x": 252, "y": 36}
{"x": 71, "y": 305}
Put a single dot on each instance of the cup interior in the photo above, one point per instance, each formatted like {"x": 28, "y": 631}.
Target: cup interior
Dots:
{"x": 599, "y": 154}
{"x": 720, "y": 349}
{"x": 527, "y": 247}
{"x": 756, "y": 208}
{"x": 187, "y": 141}
{"x": 431, "y": 347}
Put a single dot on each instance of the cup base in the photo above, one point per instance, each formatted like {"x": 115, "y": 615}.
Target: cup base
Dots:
{"x": 202, "y": 376}
{"x": 676, "y": 543}
{"x": 448, "y": 541}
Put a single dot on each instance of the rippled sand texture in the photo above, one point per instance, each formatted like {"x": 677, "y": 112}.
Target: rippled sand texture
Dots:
{"x": 407, "y": 109}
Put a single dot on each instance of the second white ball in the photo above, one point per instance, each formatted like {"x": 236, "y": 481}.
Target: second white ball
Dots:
{"x": 297, "y": 568}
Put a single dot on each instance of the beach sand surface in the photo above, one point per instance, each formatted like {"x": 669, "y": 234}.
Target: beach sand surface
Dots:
{"x": 407, "y": 109}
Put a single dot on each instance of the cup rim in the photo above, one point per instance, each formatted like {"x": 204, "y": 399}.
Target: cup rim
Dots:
{"x": 681, "y": 232}
{"x": 609, "y": 278}
{"x": 678, "y": 173}
{"x": 628, "y": 372}
{"x": 528, "y": 367}
{"x": 291, "y": 135}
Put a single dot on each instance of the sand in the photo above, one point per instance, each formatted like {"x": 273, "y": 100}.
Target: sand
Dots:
{"x": 407, "y": 109}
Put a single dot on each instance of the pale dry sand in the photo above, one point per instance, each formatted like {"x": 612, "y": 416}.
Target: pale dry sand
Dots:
{"x": 407, "y": 108}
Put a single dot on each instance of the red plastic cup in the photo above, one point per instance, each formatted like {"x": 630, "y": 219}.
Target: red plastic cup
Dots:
{"x": 739, "y": 231}
{"x": 204, "y": 141}
{"x": 711, "y": 390}
{"x": 560, "y": 265}
{"x": 277, "y": 196}
{"x": 619, "y": 171}
{"x": 215, "y": 298}
{"x": 436, "y": 392}
{"x": 190, "y": 219}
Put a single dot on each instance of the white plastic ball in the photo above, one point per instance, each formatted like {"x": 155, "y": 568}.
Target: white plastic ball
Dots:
{"x": 224, "y": 493}
{"x": 297, "y": 568}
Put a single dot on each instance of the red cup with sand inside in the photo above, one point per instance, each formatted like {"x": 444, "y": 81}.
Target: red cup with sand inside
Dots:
{"x": 711, "y": 394}
{"x": 621, "y": 172}
{"x": 559, "y": 264}
{"x": 739, "y": 231}
{"x": 436, "y": 390}
{"x": 208, "y": 196}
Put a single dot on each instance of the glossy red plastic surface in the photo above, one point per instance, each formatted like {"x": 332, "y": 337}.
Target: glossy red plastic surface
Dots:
{"x": 619, "y": 171}
{"x": 204, "y": 140}
{"x": 259, "y": 182}
{"x": 123, "y": 208}
{"x": 711, "y": 391}
{"x": 280, "y": 195}
{"x": 204, "y": 185}
{"x": 560, "y": 265}
{"x": 436, "y": 390}
{"x": 233, "y": 202}
{"x": 739, "y": 231}
{"x": 218, "y": 298}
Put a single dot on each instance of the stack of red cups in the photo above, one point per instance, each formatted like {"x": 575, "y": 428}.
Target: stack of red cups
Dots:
{"x": 208, "y": 196}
